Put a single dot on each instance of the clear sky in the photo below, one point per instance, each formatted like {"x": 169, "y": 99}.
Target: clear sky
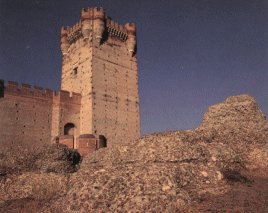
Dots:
{"x": 191, "y": 53}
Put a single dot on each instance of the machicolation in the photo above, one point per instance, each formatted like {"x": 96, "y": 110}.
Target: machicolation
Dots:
{"x": 98, "y": 104}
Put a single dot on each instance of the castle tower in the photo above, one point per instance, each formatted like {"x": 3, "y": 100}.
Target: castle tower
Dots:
{"x": 99, "y": 62}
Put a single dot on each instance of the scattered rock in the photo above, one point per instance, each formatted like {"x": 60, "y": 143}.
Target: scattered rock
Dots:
{"x": 56, "y": 158}
{"x": 205, "y": 174}
{"x": 181, "y": 171}
{"x": 170, "y": 171}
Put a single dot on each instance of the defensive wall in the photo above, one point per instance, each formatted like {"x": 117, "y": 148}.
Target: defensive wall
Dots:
{"x": 99, "y": 62}
{"x": 28, "y": 114}
{"x": 98, "y": 100}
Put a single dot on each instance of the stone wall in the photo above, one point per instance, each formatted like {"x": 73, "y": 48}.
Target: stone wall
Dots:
{"x": 28, "y": 114}
{"x": 25, "y": 114}
{"x": 99, "y": 69}
{"x": 115, "y": 92}
{"x": 99, "y": 62}
{"x": 77, "y": 77}
{"x": 66, "y": 110}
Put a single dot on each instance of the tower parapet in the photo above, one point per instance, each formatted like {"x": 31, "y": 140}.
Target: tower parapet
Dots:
{"x": 64, "y": 43}
{"x": 95, "y": 24}
{"x": 74, "y": 32}
{"x": 116, "y": 30}
{"x": 14, "y": 88}
{"x": 86, "y": 18}
{"x": 99, "y": 23}
{"x": 131, "y": 41}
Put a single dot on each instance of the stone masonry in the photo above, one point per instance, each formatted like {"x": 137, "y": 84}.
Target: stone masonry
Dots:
{"x": 98, "y": 104}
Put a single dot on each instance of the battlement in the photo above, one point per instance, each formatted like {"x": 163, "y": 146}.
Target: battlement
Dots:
{"x": 63, "y": 31}
{"x": 86, "y": 13}
{"x": 74, "y": 32}
{"x": 130, "y": 28}
{"x": 102, "y": 23}
{"x": 71, "y": 30}
{"x": 26, "y": 90}
{"x": 14, "y": 88}
{"x": 93, "y": 13}
{"x": 66, "y": 96}
{"x": 115, "y": 29}
{"x": 98, "y": 13}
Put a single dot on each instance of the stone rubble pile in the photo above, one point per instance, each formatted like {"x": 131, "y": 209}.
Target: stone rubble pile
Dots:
{"x": 210, "y": 168}
{"x": 173, "y": 171}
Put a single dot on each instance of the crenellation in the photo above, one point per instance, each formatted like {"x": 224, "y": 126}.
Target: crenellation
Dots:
{"x": 94, "y": 21}
{"x": 98, "y": 13}
{"x": 66, "y": 96}
{"x": 75, "y": 96}
{"x": 63, "y": 31}
{"x": 12, "y": 87}
{"x": 49, "y": 93}
{"x": 130, "y": 28}
{"x": 99, "y": 89}
{"x": 74, "y": 32}
{"x": 116, "y": 30}
{"x": 87, "y": 13}
{"x": 25, "y": 89}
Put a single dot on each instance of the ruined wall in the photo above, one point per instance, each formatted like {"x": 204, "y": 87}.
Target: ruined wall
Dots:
{"x": 28, "y": 115}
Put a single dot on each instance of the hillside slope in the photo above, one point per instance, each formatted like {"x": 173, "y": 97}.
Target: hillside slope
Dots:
{"x": 222, "y": 166}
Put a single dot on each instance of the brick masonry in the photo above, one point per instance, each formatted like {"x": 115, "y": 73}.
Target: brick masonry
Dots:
{"x": 99, "y": 89}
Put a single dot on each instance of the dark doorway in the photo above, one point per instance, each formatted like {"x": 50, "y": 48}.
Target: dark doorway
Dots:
{"x": 102, "y": 141}
{"x": 69, "y": 129}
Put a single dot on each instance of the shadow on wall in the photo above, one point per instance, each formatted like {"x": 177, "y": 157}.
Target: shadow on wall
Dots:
{"x": 102, "y": 141}
{"x": 1, "y": 88}
{"x": 69, "y": 129}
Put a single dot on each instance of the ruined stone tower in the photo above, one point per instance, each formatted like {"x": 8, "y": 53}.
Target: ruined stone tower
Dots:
{"x": 98, "y": 103}
{"x": 99, "y": 62}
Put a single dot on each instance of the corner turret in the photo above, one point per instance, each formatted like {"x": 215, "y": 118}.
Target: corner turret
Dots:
{"x": 131, "y": 40}
{"x": 86, "y": 17}
{"x": 99, "y": 24}
{"x": 64, "y": 44}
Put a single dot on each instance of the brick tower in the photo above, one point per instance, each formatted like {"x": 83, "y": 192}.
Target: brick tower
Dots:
{"x": 99, "y": 62}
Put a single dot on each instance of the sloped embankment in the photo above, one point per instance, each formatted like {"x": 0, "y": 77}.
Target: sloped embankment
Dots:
{"x": 32, "y": 176}
{"x": 211, "y": 168}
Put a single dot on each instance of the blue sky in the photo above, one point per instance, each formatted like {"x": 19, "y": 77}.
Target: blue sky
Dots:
{"x": 191, "y": 53}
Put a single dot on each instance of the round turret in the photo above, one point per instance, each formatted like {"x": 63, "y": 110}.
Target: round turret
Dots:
{"x": 131, "y": 40}
{"x": 86, "y": 16}
{"x": 99, "y": 24}
{"x": 64, "y": 44}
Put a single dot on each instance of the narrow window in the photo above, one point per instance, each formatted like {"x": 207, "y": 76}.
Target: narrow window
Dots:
{"x": 75, "y": 71}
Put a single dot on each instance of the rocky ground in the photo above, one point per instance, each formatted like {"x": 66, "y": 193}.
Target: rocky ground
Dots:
{"x": 222, "y": 166}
